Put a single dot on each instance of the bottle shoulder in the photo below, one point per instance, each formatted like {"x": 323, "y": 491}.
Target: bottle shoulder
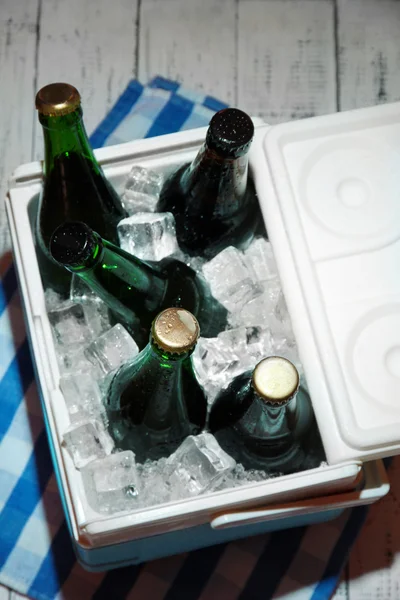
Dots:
{"x": 171, "y": 266}
{"x": 76, "y": 190}
{"x": 232, "y": 402}
{"x": 148, "y": 371}
{"x": 128, "y": 372}
{"x": 172, "y": 191}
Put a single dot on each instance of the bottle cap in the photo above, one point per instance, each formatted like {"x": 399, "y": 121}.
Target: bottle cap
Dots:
{"x": 230, "y": 132}
{"x": 57, "y": 99}
{"x": 175, "y": 330}
{"x": 275, "y": 380}
{"x": 72, "y": 243}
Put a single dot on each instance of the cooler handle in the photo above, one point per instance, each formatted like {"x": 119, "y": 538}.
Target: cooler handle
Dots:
{"x": 376, "y": 486}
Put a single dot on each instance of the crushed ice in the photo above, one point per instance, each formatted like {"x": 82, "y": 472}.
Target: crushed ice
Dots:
{"x": 89, "y": 349}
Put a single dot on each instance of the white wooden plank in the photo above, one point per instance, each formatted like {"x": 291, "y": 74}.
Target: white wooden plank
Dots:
{"x": 91, "y": 45}
{"x": 7, "y": 594}
{"x": 369, "y": 74}
{"x": 369, "y": 52}
{"x": 4, "y": 593}
{"x": 286, "y": 58}
{"x": 374, "y": 565}
{"x": 17, "y": 68}
{"x": 191, "y": 42}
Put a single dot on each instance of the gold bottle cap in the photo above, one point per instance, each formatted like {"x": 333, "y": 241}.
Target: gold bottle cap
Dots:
{"x": 175, "y": 330}
{"x": 275, "y": 380}
{"x": 57, "y": 99}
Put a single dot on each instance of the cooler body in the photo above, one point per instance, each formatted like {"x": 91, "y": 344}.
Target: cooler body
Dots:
{"x": 104, "y": 542}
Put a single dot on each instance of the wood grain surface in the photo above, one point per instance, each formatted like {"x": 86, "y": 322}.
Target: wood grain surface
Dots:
{"x": 280, "y": 59}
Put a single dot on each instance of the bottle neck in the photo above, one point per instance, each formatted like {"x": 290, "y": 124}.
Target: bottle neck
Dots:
{"x": 166, "y": 360}
{"x": 214, "y": 179}
{"x": 165, "y": 407}
{"x": 267, "y": 419}
{"x": 122, "y": 279}
{"x": 63, "y": 136}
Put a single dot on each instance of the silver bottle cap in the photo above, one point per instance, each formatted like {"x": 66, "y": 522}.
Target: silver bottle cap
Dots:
{"x": 276, "y": 380}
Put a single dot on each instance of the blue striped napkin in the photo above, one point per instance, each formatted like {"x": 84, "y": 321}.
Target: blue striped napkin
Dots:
{"x": 36, "y": 556}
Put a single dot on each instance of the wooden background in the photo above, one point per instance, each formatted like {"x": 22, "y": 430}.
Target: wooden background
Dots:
{"x": 279, "y": 59}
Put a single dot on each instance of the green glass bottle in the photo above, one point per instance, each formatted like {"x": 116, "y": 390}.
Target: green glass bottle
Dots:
{"x": 135, "y": 290}
{"x": 265, "y": 420}
{"x": 213, "y": 199}
{"x": 74, "y": 186}
{"x": 155, "y": 401}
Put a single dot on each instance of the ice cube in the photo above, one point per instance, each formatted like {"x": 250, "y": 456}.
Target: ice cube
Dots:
{"x": 142, "y": 190}
{"x": 111, "y": 483}
{"x": 135, "y": 202}
{"x": 259, "y": 310}
{"x": 210, "y": 359}
{"x": 149, "y": 236}
{"x": 111, "y": 349}
{"x": 281, "y": 328}
{"x": 73, "y": 359}
{"x": 54, "y": 301}
{"x": 82, "y": 396}
{"x": 234, "y": 339}
{"x": 98, "y": 317}
{"x": 70, "y": 325}
{"x": 243, "y": 346}
{"x": 155, "y": 488}
{"x": 286, "y": 347}
{"x": 95, "y": 309}
{"x": 218, "y": 360}
{"x": 260, "y": 258}
{"x": 230, "y": 280}
{"x": 259, "y": 343}
{"x": 240, "y": 476}
{"x": 87, "y": 441}
{"x": 198, "y": 465}
{"x": 80, "y": 292}
{"x": 144, "y": 180}
{"x": 281, "y": 309}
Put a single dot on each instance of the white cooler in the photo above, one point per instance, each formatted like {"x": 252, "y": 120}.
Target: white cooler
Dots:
{"x": 329, "y": 190}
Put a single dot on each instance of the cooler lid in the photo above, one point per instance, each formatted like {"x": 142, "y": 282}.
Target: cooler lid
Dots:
{"x": 332, "y": 210}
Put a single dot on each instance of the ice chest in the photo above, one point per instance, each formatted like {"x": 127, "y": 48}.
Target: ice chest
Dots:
{"x": 329, "y": 191}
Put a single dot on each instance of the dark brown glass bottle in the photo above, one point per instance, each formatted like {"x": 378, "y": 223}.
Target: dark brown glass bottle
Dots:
{"x": 213, "y": 199}
{"x": 75, "y": 187}
{"x": 265, "y": 420}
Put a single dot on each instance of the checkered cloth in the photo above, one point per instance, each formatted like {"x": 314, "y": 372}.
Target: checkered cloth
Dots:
{"x": 36, "y": 556}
